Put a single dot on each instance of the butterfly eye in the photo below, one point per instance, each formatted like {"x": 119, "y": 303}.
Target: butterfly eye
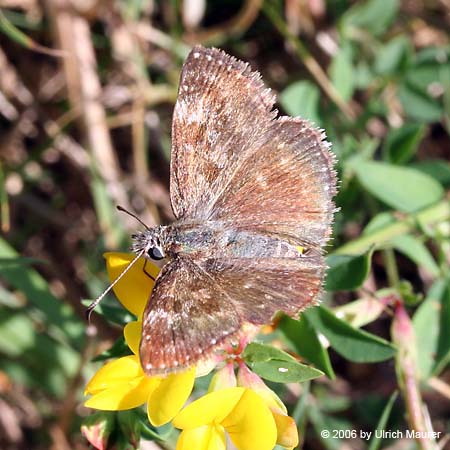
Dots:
{"x": 155, "y": 253}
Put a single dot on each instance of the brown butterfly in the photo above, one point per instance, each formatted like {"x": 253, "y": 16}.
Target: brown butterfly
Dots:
{"x": 252, "y": 195}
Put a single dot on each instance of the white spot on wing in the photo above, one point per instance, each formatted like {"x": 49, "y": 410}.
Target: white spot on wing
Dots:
{"x": 261, "y": 180}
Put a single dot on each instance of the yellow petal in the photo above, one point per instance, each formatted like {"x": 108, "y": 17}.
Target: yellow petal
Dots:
{"x": 170, "y": 396}
{"x": 120, "y": 384}
{"x": 120, "y": 397}
{"x": 119, "y": 371}
{"x": 207, "y": 437}
{"x": 287, "y": 433}
{"x": 214, "y": 406}
{"x": 134, "y": 289}
{"x": 250, "y": 424}
{"x": 132, "y": 333}
{"x": 249, "y": 379}
{"x": 271, "y": 399}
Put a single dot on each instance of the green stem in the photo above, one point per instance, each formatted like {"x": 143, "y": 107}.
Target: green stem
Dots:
{"x": 439, "y": 212}
{"x": 391, "y": 267}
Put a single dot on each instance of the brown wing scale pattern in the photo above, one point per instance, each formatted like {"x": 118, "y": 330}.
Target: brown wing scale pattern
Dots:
{"x": 221, "y": 111}
{"x": 235, "y": 167}
{"x": 185, "y": 318}
{"x": 284, "y": 187}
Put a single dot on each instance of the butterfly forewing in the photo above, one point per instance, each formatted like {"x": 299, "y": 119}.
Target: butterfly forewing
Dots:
{"x": 283, "y": 187}
{"x": 221, "y": 112}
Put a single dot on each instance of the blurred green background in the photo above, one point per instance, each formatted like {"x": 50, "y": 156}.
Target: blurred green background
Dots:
{"x": 87, "y": 90}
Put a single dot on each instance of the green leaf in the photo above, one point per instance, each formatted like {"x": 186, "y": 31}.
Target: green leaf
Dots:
{"x": 9, "y": 263}
{"x": 257, "y": 352}
{"x": 302, "y": 99}
{"x": 362, "y": 75}
{"x": 416, "y": 251}
{"x": 130, "y": 426}
{"x": 111, "y": 310}
{"x": 401, "y": 143}
{"x": 117, "y": 350}
{"x": 21, "y": 38}
{"x": 281, "y": 371}
{"x": 418, "y": 105}
{"x": 406, "y": 292}
{"x": 393, "y": 56}
{"x": 306, "y": 343}
{"x": 433, "y": 55}
{"x": 378, "y": 222}
{"x": 422, "y": 75}
{"x": 401, "y": 188}
{"x": 341, "y": 74}
{"x": 276, "y": 365}
{"x": 45, "y": 364}
{"x": 376, "y": 440}
{"x": 353, "y": 344}
{"x": 443, "y": 349}
{"x": 374, "y": 16}
{"x": 17, "y": 333}
{"x": 436, "y": 168}
{"x": 347, "y": 272}
{"x": 59, "y": 317}
{"x": 154, "y": 433}
{"x": 430, "y": 324}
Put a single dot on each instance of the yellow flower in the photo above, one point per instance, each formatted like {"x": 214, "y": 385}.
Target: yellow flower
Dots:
{"x": 122, "y": 384}
{"x": 240, "y": 412}
{"x": 287, "y": 433}
{"x": 134, "y": 289}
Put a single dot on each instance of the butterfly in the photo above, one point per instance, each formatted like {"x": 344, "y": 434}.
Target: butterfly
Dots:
{"x": 252, "y": 194}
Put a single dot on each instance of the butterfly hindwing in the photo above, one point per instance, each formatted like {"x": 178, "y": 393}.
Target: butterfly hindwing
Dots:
{"x": 187, "y": 316}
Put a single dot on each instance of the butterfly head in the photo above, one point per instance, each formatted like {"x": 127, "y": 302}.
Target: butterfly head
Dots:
{"x": 151, "y": 243}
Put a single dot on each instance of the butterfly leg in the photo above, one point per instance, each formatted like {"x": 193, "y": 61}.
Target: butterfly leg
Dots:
{"x": 146, "y": 273}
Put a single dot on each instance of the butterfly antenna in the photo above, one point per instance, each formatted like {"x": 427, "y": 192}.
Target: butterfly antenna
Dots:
{"x": 92, "y": 306}
{"x": 122, "y": 209}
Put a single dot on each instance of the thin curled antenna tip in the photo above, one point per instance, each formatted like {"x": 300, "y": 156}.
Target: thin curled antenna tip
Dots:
{"x": 122, "y": 209}
{"x": 89, "y": 310}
